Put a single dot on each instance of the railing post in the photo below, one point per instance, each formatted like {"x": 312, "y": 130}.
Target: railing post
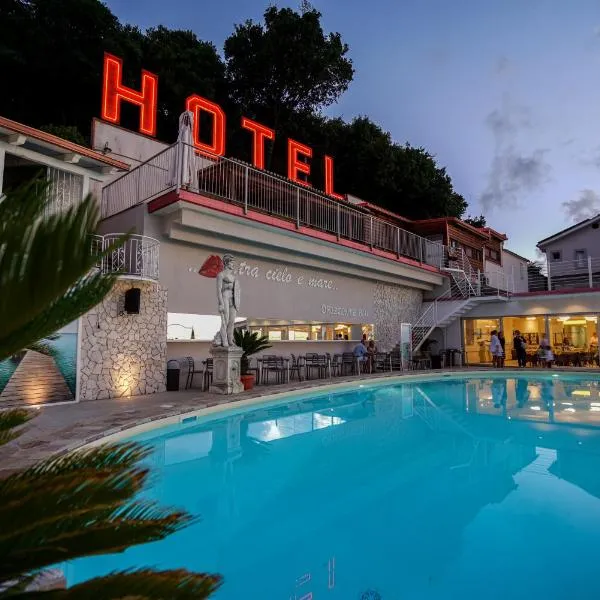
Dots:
{"x": 398, "y": 242}
{"x": 338, "y": 221}
{"x": 590, "y": 271}
{"x": 371, "y": 235}
{"x": 549, "y": 275}
{"x": 421, "y": 242}
{"x": 246, "y": 191}
{"x": 298, "y": 208}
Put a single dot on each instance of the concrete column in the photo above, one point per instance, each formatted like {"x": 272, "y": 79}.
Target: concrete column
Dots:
{"x": 547, "y": 328}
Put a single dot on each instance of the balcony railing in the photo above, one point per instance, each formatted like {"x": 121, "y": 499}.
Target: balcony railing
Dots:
{"x": 137, "y": 257}
{"x": 178, "y": 167}
{"x": 565, "y": 275}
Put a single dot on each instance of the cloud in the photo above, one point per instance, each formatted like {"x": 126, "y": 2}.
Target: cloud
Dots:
{"x": 513, "y": 172}
{"x": 590, "y": 158}
{"x": 584, "y": 207}
{"x": 512, "y": 175}
{"x": 502, "y": 65}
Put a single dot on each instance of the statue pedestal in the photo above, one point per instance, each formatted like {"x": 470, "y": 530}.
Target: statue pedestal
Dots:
{"x": 226, "y": 370}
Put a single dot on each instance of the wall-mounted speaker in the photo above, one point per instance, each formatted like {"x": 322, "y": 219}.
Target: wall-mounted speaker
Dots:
{"x": 132, "y": 301}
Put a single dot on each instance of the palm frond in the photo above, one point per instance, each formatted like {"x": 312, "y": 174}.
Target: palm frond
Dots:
{"x": 125, "y": 455}
{"x": 142, "y": 584}
{"x": 47, "y": 264}
{"x": 251, "y": 342}
{"x": 9, "y": 420}
{"x": 76, "y": 505}
{"x": 139, "y": 523}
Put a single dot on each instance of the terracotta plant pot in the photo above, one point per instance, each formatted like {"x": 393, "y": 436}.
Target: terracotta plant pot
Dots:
{"x": 247, "y": 381}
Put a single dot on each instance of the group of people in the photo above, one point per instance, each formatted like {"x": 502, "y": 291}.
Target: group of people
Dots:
{"x": 365, "y": 352}
{"x": 498, "y": 349}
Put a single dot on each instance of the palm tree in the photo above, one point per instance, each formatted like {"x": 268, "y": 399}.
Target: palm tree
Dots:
{"x": 81, "y": 503}
{"x": 250, "y": 343}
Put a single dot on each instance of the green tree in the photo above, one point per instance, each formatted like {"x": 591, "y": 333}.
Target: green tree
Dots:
{"x": 185, "y": 65}
{"x": 286, "y": 66}
{"x": 66, "y": 132}
{"x": 479, "y": 221}
{"x": 370, "y": 165}
{"x": 82, "y": 503}
{"x": 51, "y": 53}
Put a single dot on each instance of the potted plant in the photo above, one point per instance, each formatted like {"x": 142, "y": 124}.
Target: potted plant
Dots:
{"x": 250, "y": 343}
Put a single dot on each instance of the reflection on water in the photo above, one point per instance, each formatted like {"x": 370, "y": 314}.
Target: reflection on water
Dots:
{"x": 470, "y": 488}
{"x": 554, "y": 399}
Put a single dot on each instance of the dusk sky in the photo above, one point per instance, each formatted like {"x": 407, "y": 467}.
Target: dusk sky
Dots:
{"x": 506, "y": 94}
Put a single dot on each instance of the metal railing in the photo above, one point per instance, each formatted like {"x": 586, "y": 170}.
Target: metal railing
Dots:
{"x": 138, "y": 257}
{"x": 565, "y": 275}
{"x": 495, "y": 282}
{"x": 143, "y": 183}
{"x": 428, "y": 320}
{"x": 464, "y": 276}
{"x": 253, "y": 189}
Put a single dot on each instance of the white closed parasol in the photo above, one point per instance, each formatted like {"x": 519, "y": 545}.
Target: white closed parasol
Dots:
{"x": 186, "y": 170}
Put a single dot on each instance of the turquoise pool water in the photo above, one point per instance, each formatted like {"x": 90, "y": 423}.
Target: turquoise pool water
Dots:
{"x": 461, "y": 488}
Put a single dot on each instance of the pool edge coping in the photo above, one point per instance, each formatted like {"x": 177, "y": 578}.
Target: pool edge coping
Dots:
{"x": 117, "y": 434}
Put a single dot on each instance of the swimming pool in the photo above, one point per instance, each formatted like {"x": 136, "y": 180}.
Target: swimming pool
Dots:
{"x": 472, "y": 486}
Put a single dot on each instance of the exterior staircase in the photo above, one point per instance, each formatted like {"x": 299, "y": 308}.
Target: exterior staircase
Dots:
{"x": 443, "y": 311}
{"x": 467, "y": 287}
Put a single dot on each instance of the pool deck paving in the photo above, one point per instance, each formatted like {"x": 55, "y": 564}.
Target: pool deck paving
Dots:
{"x": 64, "y": 427}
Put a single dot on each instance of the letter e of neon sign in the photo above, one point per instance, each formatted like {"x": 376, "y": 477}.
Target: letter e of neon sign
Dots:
{"x": 295, "y": 165}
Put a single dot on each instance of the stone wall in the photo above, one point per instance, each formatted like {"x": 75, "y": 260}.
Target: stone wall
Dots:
{"x": 124, "y": 354}
{"x": 393, "y": 305}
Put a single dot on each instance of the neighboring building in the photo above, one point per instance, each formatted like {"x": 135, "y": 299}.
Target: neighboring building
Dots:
{"x": 515, "y": 268}
{"x": 573, "y": 255}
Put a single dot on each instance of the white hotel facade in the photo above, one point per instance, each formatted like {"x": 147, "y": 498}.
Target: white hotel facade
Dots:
{"x": 312, "y": 268}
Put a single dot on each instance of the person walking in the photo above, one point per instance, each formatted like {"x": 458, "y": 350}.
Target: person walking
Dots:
{"x": 520, "y": 346}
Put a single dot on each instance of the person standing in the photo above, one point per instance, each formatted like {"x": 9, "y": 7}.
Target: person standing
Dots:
{"x": 502, "y": 341}
{"x": 495, "y": 349}
{"x": 520, "y": 346}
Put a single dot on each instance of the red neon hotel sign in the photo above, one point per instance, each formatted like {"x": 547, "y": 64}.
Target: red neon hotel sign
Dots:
{"x": 114, "y": 92}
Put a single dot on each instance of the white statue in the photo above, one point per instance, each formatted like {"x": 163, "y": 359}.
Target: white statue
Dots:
{"x": 228, "y": 297}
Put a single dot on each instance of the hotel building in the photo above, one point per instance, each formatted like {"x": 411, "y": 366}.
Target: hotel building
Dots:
{"x": 317, "y": 272}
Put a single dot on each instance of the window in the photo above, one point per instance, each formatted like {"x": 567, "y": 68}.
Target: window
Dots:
{"x": 492, "y": 254}
{"x": 469, "y": 252}
{"x": 580, "y": 258}
{"x": 556, "y": 255}
{"x": 522, "y": 270}
{"x": 454, "y": 244}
